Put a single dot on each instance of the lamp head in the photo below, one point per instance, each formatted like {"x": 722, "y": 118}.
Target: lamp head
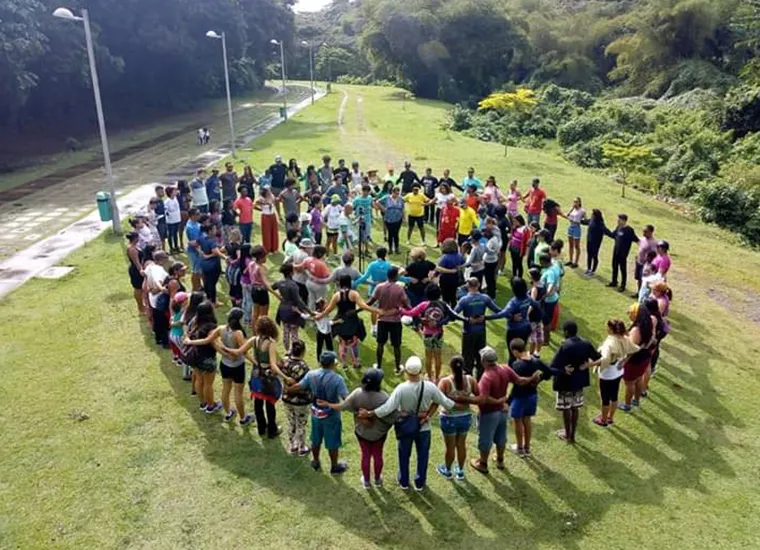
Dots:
{"x": 65, "y": 13}
{"x": 275, "y": 42}
{"x": 213, "y": 34}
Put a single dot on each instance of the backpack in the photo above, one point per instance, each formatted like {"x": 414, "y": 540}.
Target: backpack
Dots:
{"x": 435, "y": 315}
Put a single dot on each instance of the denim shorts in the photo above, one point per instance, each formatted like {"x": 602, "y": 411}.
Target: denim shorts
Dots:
{"x": 456, "y": 425}
{"x": 574, "y": 231}
{"x": 493, "y": 430}
{"x": 523, "y": 406}
{"x": 328, "y": 429}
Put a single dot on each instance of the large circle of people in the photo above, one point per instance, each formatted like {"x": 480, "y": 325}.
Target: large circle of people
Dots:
{"x": 483, "y": 232}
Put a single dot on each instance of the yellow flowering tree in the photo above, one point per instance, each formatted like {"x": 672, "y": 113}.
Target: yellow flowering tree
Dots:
{"x": 626, "y": 157}
{"x": 521, "y": 101}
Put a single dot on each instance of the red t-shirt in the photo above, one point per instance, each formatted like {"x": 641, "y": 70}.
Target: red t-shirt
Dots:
{"x": 473, "y": 201}
{"x": 449, "y": 219}
{"x": 245, "y": 206}
{"x": 551, "y": 216}
{"x": 494, "y": 383}
{"x": 536, "y": 199}
{"x": 317, "y": 268}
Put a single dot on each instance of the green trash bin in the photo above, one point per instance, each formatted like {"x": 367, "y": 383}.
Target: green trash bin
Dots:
{"x": 104, "y": 206}
{"x": 283, "y": 113}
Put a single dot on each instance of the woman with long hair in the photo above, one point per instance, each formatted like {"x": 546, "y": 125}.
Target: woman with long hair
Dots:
{"x": 518, "y": 243}
{"x": 259, "y": 284}
{"x": 183, "y": 197}
{"x": 203, "y": 327}
{"x": 317, "y": 270}
{"x": 653, "y": 307}
{"x": 269, "y": 234}
{"x": 641, "y": 333}
{"x": 293, "y": 170}
{"x": 136, "y": 273}
{"x": 248, "y": 180}
{"x": 211, "y": 261}
{"x": 449, "y": 271}
{"x": 265, "y": 383}
{"x": 594, "y": 237}
{"x": 576, "y": 216}
{"x": 392, "y": 207}
{"x": 291, "y": 308}
{"x": 188, "y": 322}
{"x": 455, "y": 423}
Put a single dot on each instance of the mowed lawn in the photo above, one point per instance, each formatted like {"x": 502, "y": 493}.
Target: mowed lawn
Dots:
{"x": 103, "y": 446}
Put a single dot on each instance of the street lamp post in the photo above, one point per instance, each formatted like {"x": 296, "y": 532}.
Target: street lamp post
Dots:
{"x": 282, "y": 65}
{"x": 311, "y": 68}
{"x": 223, "y": 38}
{"x": 64, "y": 13}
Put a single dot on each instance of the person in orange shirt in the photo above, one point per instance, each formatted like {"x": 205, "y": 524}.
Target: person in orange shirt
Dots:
{"x": 472, "y": 197}
{"x": 447, "y": 229}
{"x": 243, "y": 205}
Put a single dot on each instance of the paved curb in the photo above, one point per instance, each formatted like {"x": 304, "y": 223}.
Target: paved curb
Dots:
{"x": 24, "y": 265}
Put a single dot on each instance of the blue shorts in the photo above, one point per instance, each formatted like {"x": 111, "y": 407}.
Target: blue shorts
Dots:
{"x": 328, "y": 429}
{"x": 549, "y": 308}
{"x": 534, "y": 217}
{"x": 456, "y": 425}
{"x": 493, "y": 430}
{"x": 195, "y": 263}
{"x": 523, "y": 406}
{"x": 574, "y": 231}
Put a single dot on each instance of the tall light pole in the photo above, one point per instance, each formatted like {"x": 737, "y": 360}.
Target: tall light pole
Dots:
{"x": 282, "y": 64}
{"x": 311, "y": 68}
{"x": 223, "y": 38}
{"x": 65, "y": 13}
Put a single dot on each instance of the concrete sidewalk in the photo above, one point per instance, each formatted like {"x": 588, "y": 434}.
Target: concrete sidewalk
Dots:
{"x": 46, "y": 253}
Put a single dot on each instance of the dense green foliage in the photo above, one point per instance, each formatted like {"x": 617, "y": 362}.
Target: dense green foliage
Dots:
{"x": 152, "y": 56}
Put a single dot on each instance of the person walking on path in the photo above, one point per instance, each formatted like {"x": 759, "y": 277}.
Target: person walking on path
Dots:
{"x": 417, "y": 400}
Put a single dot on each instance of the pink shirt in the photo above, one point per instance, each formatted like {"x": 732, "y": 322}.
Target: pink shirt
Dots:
{"x": 512, "y": 199}
{"x": 662, "y": 264}
{"x": 245, "y": 206}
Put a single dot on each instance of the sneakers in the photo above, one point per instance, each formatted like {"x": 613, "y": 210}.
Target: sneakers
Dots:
{"x": 230, "y": 415}
{"x": 458, "y": 473}
{"x": 444, "y": 471}
{"x": 517, "y": 450}
{"x": 419, "y": 488}
{"x": 625, "y": 408}
{"x": 212, "y": 409}
{"x": 247, "y": 420}
{"x": 379, "y": 481}
{"x": 339, "y": 468}
{"x": 203, "y": 407}
{"x": 635, "y": 403}
{"x": 398, "y": 370}
{"x": 374, "y": 331}
{"x": 364, "y": 483}
{"x": 315, "y": 465}
{"x": 599, "y": 421}
{"x": 303, "y": 451}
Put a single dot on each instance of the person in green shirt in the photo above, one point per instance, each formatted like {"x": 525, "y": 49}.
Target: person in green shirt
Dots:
{"x": 543, "y": 239}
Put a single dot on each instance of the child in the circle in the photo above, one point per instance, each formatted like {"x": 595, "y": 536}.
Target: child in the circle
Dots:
{"x": 177, "y": 331}
{"x": 297, "y": 405}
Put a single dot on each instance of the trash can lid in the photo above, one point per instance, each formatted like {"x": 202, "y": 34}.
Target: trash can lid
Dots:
{"x": 102, "y": 195}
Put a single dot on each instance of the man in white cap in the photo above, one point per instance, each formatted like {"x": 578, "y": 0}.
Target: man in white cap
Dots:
{"x": 414, "y": 398}
{"x": 492, "y": 423}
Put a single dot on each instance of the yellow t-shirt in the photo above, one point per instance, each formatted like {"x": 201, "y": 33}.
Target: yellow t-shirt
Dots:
{"x": 468, "y": 219}
{"x": 415, "y": 204}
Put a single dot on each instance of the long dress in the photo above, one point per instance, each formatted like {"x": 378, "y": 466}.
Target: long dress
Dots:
{"x": 270, "y": 239}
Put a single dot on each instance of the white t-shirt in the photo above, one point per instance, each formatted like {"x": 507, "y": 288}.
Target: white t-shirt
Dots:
{"x": 332, "y": 216}
{"x": 172, "y": 211}
{"x": 576, "y": 215}
{"x": 155, "y": 275}
{"x": 442, "y": 200}
{"x": 356, "y": 179}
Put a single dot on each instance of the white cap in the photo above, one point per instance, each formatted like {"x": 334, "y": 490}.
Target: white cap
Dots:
{"x": 413, "y": 365}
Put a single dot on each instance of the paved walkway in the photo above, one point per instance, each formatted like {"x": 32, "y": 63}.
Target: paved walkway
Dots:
{"x": 45, "y": 206}
{"x": 46, "y": 253}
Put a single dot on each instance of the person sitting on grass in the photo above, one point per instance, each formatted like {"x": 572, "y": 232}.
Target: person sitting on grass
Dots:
{"x": 328, "y": 388}
{"x": 523, "y": 400}
{"x": 570, "y": 369}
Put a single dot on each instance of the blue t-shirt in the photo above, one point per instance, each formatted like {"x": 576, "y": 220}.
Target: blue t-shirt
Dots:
{"x": 207, "y": 245}
{"x": 516, "y": 306}
{"x": 394, "y": 209}
{"x": 450, "y": 261}
{"x": 377, "y": 272}
{"x": 339, "y": 190}
{"x": 475, "y": 305}
{"x": 549, "y": 277}
{"x": 467, "y": 182}
{"x": 193, "y": 233}
{"x": 326, "y": 385}
{"x": 212, "y": 188}
{"x": 364, "y": 205}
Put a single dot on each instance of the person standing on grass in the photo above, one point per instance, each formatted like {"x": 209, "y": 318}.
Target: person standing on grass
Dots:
{"x": 297, "y": 403}
{"x": 624, "y": 237}
{"x": 523, "y": 401}
{"x": 473, "y": 307}
{"x": 492, "y": 395}
{"x": 159, "y": 210}
{"x": 553, "y": 213}
{"x": 291, "y": 308}
{"x": 614, "y": 350}
{"x": 331, "y": 217}
{"x": 534, "y": 201}
{"x": 455, "y": 424}
{"x": 229, "y": 182}
{"x": 647, "y": 243}
{"x": 450, "y": 267}
{"x": 269, "y": 232}
{"x": 188, "y": 322}
{"x": 570, "y": 369}
{"x": 342, "y": 172}
{"x": 493, "y": 195}
{"x": 371, "y": 433}
{"x": 204, "y": 367}
{"x": 265, "y": 385}
{"x": 429, "y": 186}
{"x": 550, "y": 280}
{"x": 414, "y": 398}
{"x": 446, "y": 179}
{"x": 594, "y": 237}
{"x": 325, "y": 174}
{"x": 476, "y": 259}
{"x": 316, "y": 219}
{"x": 516, "y": 313}
{"x": 642, "y": 333}
{"x": 444, "y": 197}
{"x": 468, "y": 220}
{"x": 416, "y": 204}
{"x": 305, "y": 248}
{"x": 158, "y": 296}
{"x": 576, "y": 216}
{"x": 363, "y": 205}
{"x": 213, "y": 185}
{"x": 183, "y": 197}
{"x": 317, "y": 270}
{"x": 259, "y": 284}
{"x": 389, "y": 296}
{"x": 471, "y": 181}
{"x": 244, "y": 210}
{"x": 229, "y": 221}
{"x": 392, "y": 207}
{"x": 407, "y": 178}
{"x": 328, "y": 388}
{"x": 136, "y": 273}
{"x": 249, "y": 181}
{"x": 376, "y": 273}
{"x": 173, "y": 219}
{"x": 518, "y": 244}
{"x": 448, "y": 219}
{"x": 177, "y": 328}
{"x": 211, "y": 262}
{"x": 198, "y": 186}
{"x": 290, "y": 198}
{"x": 513, "y": 197}
{"x": 663, "y": 261}
{"x": 491, "y": 257}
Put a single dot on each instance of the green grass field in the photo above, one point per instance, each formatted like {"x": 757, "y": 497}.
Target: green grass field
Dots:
{"x": 146, "y": 470}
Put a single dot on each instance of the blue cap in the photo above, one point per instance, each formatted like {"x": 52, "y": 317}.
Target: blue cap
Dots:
{"x": 328, "y": 358}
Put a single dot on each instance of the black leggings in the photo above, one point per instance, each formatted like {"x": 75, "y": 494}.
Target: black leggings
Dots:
{"x": 449, "y": 290}
{"x": 471, "y": 345}
{"x": 517, "y": 261}
{"x": 210, "y": 278}
{"x": 490, "y": 275}
{"x": 620, "y": 264}
{"x": 609, "y": 390}
{"x": 265, "y": 423}
{"x": 174, "y": 235}
{"x": 592, "y": 255}
{"x": 323, "y": 341}
{"x": 393, "y": 231}
{"x": 160, "y": 327}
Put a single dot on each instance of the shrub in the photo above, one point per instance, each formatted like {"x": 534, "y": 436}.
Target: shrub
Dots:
{"x": 742, "y": 110}
{"x": 583, "y": 129}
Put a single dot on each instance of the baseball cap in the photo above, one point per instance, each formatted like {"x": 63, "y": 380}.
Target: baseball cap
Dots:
{"x": 305, "y": 217}
{"x": 488, "y": 355}
{"x": 180, "y": 297}
{"x": 335, "y": 199}
{"x": 413, "y": 365}
{"x": 328, "y": 358}
{"x": 372, "y": 375}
